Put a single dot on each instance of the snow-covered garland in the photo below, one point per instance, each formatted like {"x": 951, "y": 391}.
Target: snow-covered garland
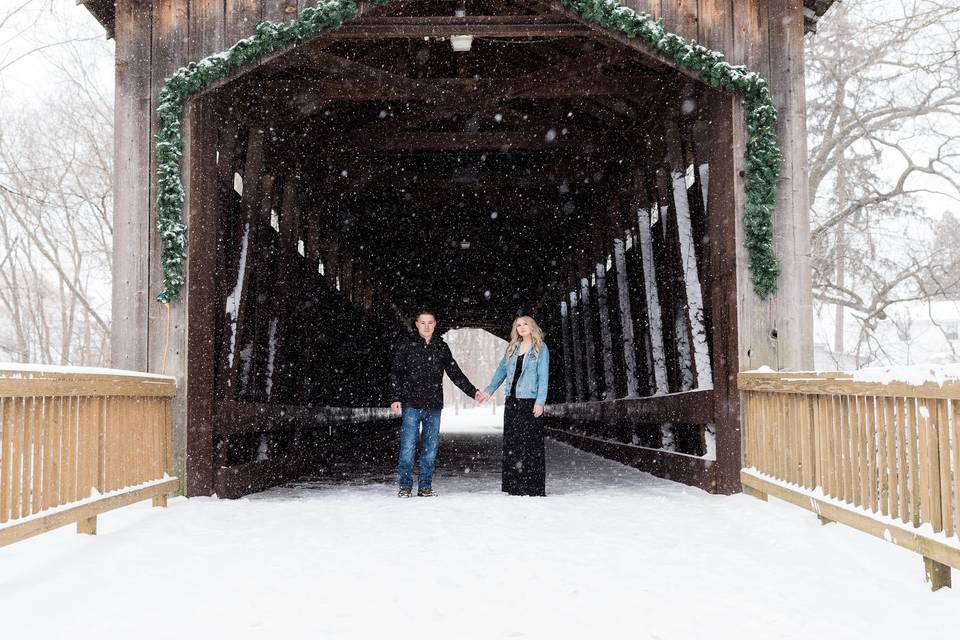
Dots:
{"x": 761, "y": 162}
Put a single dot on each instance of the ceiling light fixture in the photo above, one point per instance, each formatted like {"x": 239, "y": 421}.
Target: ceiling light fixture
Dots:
{"x": 464, "y": 42}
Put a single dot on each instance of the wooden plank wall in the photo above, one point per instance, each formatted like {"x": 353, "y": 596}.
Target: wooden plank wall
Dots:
{"x": 153, "y": 39}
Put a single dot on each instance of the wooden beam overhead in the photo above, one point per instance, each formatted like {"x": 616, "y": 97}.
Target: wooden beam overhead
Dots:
{"x": 521, "y": 26}
{"x": 478, "y": 141}
{"x": 577, "y": 77}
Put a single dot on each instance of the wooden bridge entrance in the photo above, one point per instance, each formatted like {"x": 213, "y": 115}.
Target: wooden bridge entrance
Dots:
{"x": 555, "y": 167}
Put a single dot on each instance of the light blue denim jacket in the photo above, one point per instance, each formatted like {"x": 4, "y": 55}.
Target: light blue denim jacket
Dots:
{"x": 533, "y": 377}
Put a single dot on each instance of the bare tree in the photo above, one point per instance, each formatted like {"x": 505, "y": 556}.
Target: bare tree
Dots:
{"x": 884, "y": 122}
{"x": 56, "y": 202}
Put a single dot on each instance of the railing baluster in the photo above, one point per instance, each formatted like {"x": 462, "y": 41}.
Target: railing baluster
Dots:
{"x": 955, "y": 450}
{"x": 859, "y": 421}
{"x": 853, "y": 443}
{"x": 17, "y": 458}
{"x": 5, "y": 446}
{"x": 943, "y": 466}
{"x": 891, "y": 462}
{"x": 829, "y": 438}
{"x": 882, "y": 457}
{"x": 902, "y": 469}
{"x": 870, "y": 420}
{"x": 36, "y": 490}
{"x": 913, "y": 463}
{"x": 933, "y": 467}
{"x": 818, "y": 444}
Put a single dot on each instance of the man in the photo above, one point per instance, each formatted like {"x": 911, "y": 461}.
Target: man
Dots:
{"x": 417, "y": 391}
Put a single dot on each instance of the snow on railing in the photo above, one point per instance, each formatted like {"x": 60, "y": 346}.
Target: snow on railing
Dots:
{"x": 75, "y": 442}
{"x": 872, "y": 450}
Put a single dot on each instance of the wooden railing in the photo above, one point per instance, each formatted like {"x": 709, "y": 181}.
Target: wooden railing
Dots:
{"x": 78, "y": 442}
{"x": 884, "y": 458}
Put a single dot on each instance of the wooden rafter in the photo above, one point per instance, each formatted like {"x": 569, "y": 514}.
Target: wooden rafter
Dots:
{"x": 521, "y": 26}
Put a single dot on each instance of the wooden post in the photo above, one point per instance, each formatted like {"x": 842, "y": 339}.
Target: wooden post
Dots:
{"x": 586, "y": 315}
{"x": 87, "y": 526}
{"x": 756, "y": 493}
{"x": 581, "y": 390}
{"x": 206, "y": 196}
{"x": 131, "y": 186}
{"x": 568, "y": 362}
{"x": 606, "y": 340}
{"x": 688, "y": 258}
{"x": 626, "y": 318}
{"x": 654, "y": 317}
{"x": 722, "y": 213}
{"x": 936, "y": 574}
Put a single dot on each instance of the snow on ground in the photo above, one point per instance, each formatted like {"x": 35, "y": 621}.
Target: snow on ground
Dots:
{"x": 473, "y": 420}
{"x": 610, "y": 553}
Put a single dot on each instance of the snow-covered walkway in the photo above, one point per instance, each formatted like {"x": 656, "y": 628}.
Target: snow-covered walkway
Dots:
{"x": 610, "y": 553}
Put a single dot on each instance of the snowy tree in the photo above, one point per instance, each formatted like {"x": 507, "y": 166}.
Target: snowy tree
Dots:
{"x": 56, "y": 206}
{"x": 883, "y": 104}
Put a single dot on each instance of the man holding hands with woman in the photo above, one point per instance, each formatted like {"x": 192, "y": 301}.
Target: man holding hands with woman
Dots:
{"x": 417, "y": 394}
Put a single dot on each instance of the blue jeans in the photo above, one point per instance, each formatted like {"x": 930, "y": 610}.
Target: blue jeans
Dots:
{"x": 409, "y": 430}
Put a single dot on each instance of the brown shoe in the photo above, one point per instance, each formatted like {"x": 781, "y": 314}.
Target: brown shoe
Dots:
{"x": 426, "y": 493}
{"x": 405, "y": 492}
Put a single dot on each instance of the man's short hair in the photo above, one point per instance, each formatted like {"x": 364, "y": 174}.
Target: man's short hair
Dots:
{"x": 424, "y": 312}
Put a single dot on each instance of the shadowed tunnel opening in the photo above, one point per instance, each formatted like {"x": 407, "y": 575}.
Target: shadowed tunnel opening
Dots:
{"x": 549, "y": 170}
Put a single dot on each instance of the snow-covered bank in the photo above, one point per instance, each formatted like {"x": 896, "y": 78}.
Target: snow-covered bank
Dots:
{"x": 611, "y": 553}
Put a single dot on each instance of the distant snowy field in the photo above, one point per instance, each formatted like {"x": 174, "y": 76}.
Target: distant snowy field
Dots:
{"x": 610, "y": 553}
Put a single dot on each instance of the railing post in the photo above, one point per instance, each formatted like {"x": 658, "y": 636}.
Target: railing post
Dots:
{"x": 936, "y": 574}
{"x": 87, "y": 526}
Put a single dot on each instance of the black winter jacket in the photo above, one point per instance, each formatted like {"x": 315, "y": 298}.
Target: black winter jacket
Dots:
{"x": 416, "y": 379}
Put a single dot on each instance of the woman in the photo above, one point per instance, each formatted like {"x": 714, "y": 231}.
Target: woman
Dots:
{"x": 525, "y": 368}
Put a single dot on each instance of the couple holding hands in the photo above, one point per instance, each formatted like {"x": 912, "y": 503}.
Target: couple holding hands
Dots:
{"x": 417, "y": 392}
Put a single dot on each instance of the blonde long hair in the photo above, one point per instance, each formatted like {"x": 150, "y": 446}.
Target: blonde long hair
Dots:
{"x": 536, "y": 336}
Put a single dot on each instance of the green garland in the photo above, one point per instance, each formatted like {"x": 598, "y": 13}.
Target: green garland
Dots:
{"x": 762, "y": 157}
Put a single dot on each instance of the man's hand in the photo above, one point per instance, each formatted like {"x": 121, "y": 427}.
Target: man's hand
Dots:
{"x": 481, "y": 396}
{"x": 537, "y": 410}
{"x": 396, "y": 407}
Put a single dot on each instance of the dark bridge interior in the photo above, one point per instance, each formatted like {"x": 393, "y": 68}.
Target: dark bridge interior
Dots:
{"x": 549, "y": 169}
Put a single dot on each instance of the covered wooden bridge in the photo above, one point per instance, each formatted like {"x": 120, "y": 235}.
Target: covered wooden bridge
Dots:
{"x": 548, "y": 162}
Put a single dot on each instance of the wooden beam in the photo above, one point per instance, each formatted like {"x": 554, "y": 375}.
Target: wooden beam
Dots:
{"x": 40, "y": 523}
{"x": 448, "y": 96}
{"x": 646, "y": 54}
{"x": 694, "y": 407}
{"x": 14, "y": 381}
{"x": 888, "y": 529}
{"x": 841, "y": 383}
{"x": 243, "y": 479}
{"x": 206, "y": 162}
{"x": 250, "y": 417}
{"x": 721, "y": 286}
{"x": 521, "y": 26}
{"x": 478, "y": 141}
{"x": 679, "y": 467}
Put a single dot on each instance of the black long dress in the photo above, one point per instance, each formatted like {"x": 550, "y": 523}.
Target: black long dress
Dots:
{"x": 524, "y": 465}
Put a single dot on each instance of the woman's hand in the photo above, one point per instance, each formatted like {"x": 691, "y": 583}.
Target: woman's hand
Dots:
{"x": 537, "y": 410}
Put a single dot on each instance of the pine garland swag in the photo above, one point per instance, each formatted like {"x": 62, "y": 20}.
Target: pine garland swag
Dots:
{"x": 762, "y": 158}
